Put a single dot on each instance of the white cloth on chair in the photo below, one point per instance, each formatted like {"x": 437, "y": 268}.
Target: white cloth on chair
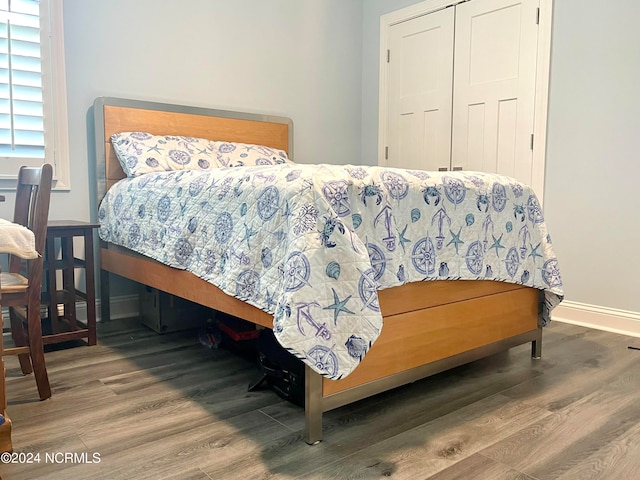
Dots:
{"x": 17, "y": 240}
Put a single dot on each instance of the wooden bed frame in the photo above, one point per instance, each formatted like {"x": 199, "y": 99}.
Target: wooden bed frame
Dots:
{"x": 429, "y": 327}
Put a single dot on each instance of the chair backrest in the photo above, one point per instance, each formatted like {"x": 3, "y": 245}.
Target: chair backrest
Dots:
{"x": 33, "y": 195}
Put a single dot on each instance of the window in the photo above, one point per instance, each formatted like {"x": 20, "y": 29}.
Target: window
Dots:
{"x": 33, "y": 116}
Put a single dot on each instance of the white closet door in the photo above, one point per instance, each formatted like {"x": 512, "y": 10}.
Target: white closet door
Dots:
{"x": 419, "y": 91}
{"x": 494, "y": 86}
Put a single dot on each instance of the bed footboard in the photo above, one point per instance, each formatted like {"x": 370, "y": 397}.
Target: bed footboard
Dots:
{"x": 419, "y": 343}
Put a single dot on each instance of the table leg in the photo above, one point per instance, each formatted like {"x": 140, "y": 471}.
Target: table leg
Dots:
{"x": 68, "y": 281}
{"x": 105, "y": 290}
{"x": 51, "y": 283}
{"x": 90, "y": 286}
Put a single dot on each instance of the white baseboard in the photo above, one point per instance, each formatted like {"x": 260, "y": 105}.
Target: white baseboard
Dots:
{"x": 124, "y": 306}
{"x": 601, "y": 318}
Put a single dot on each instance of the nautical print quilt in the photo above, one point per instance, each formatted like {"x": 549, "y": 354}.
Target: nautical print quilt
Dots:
{"x": 312, "y": 244}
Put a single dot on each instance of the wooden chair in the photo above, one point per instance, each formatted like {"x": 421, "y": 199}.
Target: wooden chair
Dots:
{"x": 21, "y": 287}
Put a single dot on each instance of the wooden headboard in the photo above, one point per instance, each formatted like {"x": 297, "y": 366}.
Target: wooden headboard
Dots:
{"x": 113, "y": 115}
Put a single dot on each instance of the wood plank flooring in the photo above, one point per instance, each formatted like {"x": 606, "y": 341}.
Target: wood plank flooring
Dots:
{"x": 162, "y": 406}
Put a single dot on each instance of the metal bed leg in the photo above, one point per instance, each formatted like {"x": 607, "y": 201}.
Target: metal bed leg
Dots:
{"x": 312, "y": 406}
{"x": 536, "y": 346}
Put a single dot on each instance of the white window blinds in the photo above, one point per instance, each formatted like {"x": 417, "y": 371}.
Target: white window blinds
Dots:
{"x": 21, "y": 108}
{"x": 33, "y": 113}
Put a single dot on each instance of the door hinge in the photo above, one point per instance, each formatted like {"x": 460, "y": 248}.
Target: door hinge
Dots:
{"x": 532, "y": 141}
{"x": 388, "y": 55}
{"x": 386, "y": 153}
{"x": 538, "y": 16}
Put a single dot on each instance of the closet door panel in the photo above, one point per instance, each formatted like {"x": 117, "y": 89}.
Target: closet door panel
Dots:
{"x": 420, "y": 91}
{"x": 494, "y": 73}
{"x": 475, "y": 139}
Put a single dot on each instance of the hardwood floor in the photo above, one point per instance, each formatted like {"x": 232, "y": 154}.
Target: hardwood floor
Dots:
{"x": 147, "y": 406}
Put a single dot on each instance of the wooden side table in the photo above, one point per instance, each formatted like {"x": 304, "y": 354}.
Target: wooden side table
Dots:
{"x": 67, "y": 327}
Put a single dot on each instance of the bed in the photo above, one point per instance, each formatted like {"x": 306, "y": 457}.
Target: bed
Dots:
{"x": 429, "y": 326}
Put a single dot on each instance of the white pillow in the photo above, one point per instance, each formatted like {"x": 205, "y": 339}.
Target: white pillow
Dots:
{"x": 233, "y": 154}
{"x": 141, "y": 152}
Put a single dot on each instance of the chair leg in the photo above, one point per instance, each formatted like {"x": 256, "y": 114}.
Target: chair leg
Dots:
{"x": 19, "y": 337}
{"x": 36, "y": 349}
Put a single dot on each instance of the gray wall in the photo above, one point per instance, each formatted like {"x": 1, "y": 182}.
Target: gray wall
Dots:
{"x": 593, "y": 162}
{"x": 289, "y": 57}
